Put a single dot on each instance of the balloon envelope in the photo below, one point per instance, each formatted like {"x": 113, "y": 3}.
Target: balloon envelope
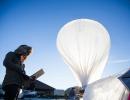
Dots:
{"x": 109, "y": 88}
{"x": 84, "y": 45}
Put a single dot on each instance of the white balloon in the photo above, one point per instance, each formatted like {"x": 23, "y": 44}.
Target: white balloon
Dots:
{"x": 109, "y": 88}
{"x": 84, "y": 44}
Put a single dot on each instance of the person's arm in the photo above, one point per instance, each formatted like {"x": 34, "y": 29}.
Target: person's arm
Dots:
{"x": 8, "y": 63}
{"x": 26, "y": 77}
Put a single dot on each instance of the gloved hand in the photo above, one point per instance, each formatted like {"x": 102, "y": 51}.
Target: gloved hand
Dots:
{"x": 33, "y": 78}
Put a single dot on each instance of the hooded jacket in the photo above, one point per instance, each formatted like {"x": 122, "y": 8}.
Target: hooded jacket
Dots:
{"x": 15, "y": 73}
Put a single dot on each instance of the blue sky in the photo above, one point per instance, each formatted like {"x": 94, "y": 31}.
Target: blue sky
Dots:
{"x": 37, "y": 22}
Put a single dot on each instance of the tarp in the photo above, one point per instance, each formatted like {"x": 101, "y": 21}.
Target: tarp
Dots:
{"x": 125, "y": 79}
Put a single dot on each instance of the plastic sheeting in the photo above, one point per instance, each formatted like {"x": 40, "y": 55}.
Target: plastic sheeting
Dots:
{"x": 125, "y": 79}
{"x": 109, "y": 88}
{"x": 84, "y": 44}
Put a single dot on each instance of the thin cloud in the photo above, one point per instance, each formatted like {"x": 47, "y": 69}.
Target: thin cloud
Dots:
{"x": 120, "y": 61}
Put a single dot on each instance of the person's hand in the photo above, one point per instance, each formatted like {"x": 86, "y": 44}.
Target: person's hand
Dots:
{"x": 33, "y": 78}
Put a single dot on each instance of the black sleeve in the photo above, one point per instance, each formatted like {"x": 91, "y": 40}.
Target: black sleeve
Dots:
{"x": 8, "y": 63}
{"x": 26, "y": 77}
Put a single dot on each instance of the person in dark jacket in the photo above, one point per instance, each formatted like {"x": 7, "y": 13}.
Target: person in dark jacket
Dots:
{"x": 15, "y": 73}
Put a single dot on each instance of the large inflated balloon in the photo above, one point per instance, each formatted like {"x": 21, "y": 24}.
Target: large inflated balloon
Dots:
{"x": 84, "y": 44}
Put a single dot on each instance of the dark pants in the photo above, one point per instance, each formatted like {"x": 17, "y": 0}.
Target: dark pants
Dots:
{"x": 11, "y": 92}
